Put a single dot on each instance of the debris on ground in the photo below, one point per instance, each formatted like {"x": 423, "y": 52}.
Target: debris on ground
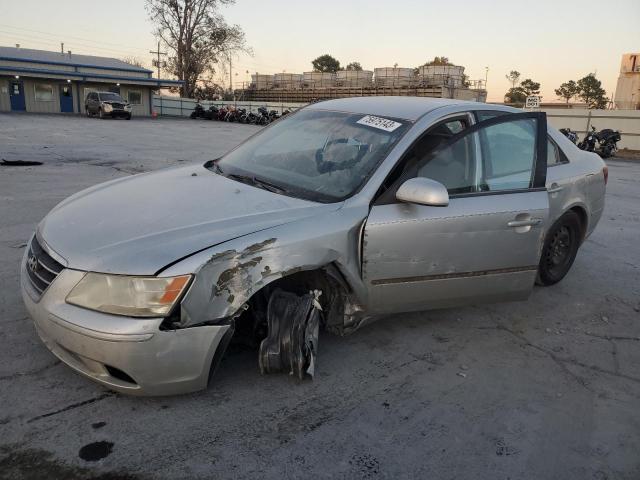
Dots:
{"x": 19, "y": 163}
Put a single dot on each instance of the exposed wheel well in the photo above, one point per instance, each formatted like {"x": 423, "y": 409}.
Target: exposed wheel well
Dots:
{"x": 251, "y": 325}
{"x": 582, "y": 215}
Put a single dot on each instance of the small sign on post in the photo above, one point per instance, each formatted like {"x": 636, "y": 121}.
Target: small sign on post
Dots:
{"x": 533, "y": 101}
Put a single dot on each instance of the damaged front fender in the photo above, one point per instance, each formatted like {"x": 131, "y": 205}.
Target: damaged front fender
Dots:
{"x": 228, "y": 275}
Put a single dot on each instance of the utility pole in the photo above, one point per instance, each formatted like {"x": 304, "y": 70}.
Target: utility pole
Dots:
{"x": 158, "y": 53}
{"x": 486, "y": 76}
{"x": 231, "y": 77}
{"x": 62, "y": 48}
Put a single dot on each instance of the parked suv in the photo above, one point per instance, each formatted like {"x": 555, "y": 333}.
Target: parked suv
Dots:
{"x": 107, "y": 104}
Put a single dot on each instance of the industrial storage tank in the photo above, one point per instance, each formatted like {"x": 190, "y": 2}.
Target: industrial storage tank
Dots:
{"x": 261, "y": 82}
{"x": 394, "y": 76}
{"x": 354, "y": 78}
{"x": 287, "y": 81}
{"x": 319, "y": 79}
{"x": 448, "y": 75}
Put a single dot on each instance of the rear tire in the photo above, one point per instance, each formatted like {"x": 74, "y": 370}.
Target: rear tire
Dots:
{"x": 560, "y": 249}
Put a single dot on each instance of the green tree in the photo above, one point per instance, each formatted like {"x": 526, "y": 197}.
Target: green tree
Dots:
{"x": 567, "y": 90}
{"x": 354, "y": 66}
{"x": 529, "y": 87}
{"x": 515, "y": 95}
{"x": 326, "y": 63}
{"x": 590, "y": 91}
{"x": 514, "y": 78}
{"x": 439, "y": 61}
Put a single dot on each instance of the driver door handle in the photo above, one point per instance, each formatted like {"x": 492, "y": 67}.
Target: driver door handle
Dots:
{"x": 524, "y": 223}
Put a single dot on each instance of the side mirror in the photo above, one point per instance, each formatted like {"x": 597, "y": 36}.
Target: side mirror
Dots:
{"x": 423, "y": 191}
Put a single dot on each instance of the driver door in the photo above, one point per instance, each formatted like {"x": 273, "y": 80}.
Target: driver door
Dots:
{"x": 484, "y": 246}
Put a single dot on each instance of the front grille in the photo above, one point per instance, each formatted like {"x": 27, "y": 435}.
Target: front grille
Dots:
{"x": 41, "y": 268}
{"x": 118, "y": 106}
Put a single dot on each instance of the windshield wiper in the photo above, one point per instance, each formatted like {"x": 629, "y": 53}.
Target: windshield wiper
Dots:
{"x": 256, "y": 182}
{"x": 214, "y": 164}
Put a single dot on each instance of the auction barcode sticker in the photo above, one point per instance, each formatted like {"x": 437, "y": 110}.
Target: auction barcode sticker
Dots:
{"x": 379, "y": 122}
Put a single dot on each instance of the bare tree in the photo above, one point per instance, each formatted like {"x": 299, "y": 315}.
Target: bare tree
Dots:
{"x": 135, "y": 61}
{"x": 197, "y": 35}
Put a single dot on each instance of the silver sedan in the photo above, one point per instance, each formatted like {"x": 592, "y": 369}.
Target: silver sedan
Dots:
{"x": 340, "y": 213}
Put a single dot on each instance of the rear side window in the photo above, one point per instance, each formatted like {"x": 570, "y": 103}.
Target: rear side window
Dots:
{"x": 552, "y": 154}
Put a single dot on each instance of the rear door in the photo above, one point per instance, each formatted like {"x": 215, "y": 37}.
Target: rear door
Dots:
{"x": 485, "y": 245}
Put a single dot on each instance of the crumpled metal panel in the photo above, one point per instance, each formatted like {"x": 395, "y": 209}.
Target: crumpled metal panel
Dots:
{"x": 292, "y": 343}
{"x": 226, "y": 276}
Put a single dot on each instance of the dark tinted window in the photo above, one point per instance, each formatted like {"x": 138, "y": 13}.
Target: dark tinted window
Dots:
{"x": 110, "y": 97}
{"x": 483, "y": 115}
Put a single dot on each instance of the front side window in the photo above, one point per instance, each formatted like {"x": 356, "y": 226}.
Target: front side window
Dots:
{"x": 318, "y": 155}
{"x": 135, "y": 97}
{"x": 497, "y": 157}
{"x": 43, "y": 92}
{"x": 508, "y": 154}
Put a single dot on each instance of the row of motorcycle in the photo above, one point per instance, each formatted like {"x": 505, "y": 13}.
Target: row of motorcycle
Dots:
{"x": 603, "y": 142}
{"x": 234, "y": 114}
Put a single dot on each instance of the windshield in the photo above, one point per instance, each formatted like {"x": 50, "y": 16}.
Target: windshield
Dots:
{"x": 110, "y": 97}
{"x": 318, "y": 155}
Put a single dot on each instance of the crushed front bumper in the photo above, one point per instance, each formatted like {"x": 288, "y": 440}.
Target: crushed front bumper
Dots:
{"x": 128, "y": 355}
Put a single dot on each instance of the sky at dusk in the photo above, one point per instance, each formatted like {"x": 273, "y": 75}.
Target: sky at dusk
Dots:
{"x": 548, "y": 41}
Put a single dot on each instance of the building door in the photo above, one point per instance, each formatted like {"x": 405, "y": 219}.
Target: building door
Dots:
{"x": 66, "y": 98}
{"x": 16, "y": 94}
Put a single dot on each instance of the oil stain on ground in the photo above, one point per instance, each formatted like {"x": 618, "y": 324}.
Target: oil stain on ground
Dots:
{"x": 17, "y": 463}
{"x": 92, "y": 452}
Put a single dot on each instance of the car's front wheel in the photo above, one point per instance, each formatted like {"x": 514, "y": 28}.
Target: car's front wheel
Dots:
{"x": 560, "y": 249}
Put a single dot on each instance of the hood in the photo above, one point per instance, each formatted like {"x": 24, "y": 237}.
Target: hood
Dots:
{"x": 137, "y": 225}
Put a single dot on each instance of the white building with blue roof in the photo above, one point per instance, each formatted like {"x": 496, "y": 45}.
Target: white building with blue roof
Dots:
{"x": 56, "y": 82}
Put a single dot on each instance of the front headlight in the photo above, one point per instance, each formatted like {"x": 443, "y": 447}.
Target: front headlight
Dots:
{"x": 131, "y": 296}
{"x": 107, "y": 107}
{"x": 127, "y": 107}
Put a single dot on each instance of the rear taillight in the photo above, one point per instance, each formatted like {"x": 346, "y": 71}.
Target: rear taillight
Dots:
{"x": 605, "y": 171}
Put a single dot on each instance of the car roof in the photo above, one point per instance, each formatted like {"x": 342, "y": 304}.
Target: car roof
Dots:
{"x": 407, "y": 108}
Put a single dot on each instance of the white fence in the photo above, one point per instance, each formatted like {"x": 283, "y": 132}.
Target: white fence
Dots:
{"x": 182, "y": 107}
{"x": 578, "y": 120}
{"x": 581, "y": 120}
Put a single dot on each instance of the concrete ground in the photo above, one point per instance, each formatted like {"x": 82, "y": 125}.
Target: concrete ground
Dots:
{"x": 548, "y": 388}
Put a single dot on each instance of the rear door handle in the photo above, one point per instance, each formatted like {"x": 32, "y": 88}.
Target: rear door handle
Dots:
{"x": 524, "y": 223}
{"x": 555, "y": 188}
